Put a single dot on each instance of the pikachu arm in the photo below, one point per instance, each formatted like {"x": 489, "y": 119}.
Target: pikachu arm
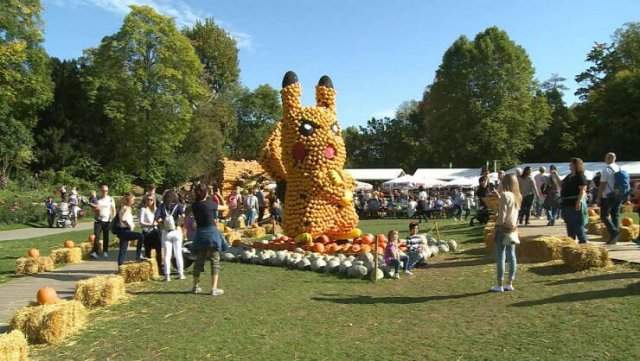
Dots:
{"x": 271, "y": 159}
{"x": 334, "y": 187}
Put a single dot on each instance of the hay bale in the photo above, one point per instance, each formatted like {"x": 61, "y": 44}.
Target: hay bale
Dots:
{"x": 233, "y": 236}
{"x": 254, "y": 232}
{"x": 27, "y": 266}
{"x": 595, "y": 228}
{"x": 74, "y": 255}
{"x": 155, "y": 271}
{"x": 86, "y": 248}
{"x": 629, "y": 233}
{"x": 585, "y": 256}
{"x": 13, "y": 346}
{"x": 45, "y": 264}
{"x": 594, "y": 219}
{"x": 59, "y": 255}
{"x": 136, "y": 271}
{"x": 100, "y": 290}
{"x": 50, "y": 323}
{"x": 543, "y": 249}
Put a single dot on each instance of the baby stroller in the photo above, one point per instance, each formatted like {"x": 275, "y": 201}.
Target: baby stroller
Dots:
{"x": 63, "y": 218}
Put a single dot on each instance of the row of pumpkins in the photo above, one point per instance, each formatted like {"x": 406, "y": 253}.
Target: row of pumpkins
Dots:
{"x": 351, "y": 265}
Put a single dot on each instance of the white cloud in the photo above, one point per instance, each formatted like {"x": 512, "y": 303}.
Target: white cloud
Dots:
{"x": 183, "y": 14}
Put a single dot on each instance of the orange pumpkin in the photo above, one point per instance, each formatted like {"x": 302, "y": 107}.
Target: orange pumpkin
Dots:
{"x": 33, "y": 252}
{"x": 47, "y": 296}
{"x": 68, "y": 244}
{"x": 91, "y": 238}
{"x": 236, "y": 243}
{"x": 381, "y": 238}
{"x": 258, "y": 245}
{"x": 367, "y": 238}
{"x": 357, "y": 240}
{"x": 592, "y": 212}
{"x": 318, "y": 247}
{"x": 346, "y": 248}
{"x": 355, "y": 248}
{"x": 626, "y": 221}
{"x": 324, "y": 239}
{"x": 365, "y": 248}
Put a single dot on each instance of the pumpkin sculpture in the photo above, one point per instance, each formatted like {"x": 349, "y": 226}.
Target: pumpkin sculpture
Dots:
{"x": 306, "y": 150}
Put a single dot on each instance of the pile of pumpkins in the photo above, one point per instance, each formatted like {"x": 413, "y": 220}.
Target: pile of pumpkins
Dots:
{"x": 359, "y": 264}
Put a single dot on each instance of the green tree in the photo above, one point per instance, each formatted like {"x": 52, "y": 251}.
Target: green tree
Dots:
{"x": 610, "y": 108}
{"x": 25, "y": 87}
{"x": 218, "y": 54}
{"x": 256, "y": 111}
{"x": 147, "y": 81}
{"x": 483, "y": 103}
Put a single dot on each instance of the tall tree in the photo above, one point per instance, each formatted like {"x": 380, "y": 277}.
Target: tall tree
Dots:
{"x": 217, "y": 52}
{"x": 25, "y": 87}
{"x": 147, "y": 80}
{"x": 257, "y": 111}
{"x": 483, "y": 104}
{"x": 610, "y": 108}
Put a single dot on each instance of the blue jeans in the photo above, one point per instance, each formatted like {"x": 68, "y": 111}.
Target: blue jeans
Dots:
{"x": 395, "y": 263}
{"x": 575, "y": 224}
{"x": 510, "y": 251}
{"x": 610, "y": 207}
{"x": 251, "y": 216}
{"x": 413, "y": 259}
{"x": 125, "y": 237}
{"x": 552, "y": 214}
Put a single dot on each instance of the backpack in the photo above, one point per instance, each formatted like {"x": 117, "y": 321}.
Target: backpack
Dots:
{"x": 621, "y": 184}
{"x": 169, "y": 223}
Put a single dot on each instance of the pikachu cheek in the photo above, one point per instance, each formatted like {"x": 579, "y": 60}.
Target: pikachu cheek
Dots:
{"x": 330, "y": 152}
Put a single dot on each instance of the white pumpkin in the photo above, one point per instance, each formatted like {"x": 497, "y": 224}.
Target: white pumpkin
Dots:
{"x": 228, "y": 257}
{"x": 318, "y": 265}
{"x": 434, "y": 250}
{"x": 379, "y": 274}
{"x": 345, "y": 266}
{"x": 303, "y": 264}
{"x": 332, "y": 266}
{"x": 357, "y": 271}
{"x": 443, "y": 248}
{"x": 453, "y": 245}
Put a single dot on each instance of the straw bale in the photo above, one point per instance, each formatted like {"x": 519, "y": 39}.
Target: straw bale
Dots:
{"x": 50, "y": 323}
{"x": 155, "y": 271}
{"x": 86, "y": 248}
{"x": 100, "y": 290}
{"x": 45, "y": 264}
{"x": 136, "y": 271}
{"x": 595, "y": 228}
{"x": 232, "y": 236}
{"x": 254, "y": 232}
{"x": 585, "y": 256}
{"x": 13, "y": 346}
{"x": 59, "y": 255}
{"x": 27, "y": 266}
{"x": 629, "y": 233}
{"x": 66, "y": 255}
{"x": 543, "y": 249}
{"x": 594, "y": 219}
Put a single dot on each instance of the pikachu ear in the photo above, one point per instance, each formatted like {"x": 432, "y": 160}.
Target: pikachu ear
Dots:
{"x": 325, "y": 94}
{"x": 290, "y": 94}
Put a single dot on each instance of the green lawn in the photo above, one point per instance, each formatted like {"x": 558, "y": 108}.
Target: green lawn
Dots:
{"x": 441, "y": 313}
{"x": 11, "y": 250}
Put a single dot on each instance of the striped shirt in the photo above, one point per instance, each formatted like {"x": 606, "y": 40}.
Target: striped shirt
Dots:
{"x": 415, "y": 242}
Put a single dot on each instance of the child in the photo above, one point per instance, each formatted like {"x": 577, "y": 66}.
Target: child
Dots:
{"x": 392, "y": 255}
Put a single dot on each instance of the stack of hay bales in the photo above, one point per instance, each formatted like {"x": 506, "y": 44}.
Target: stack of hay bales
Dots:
{"x": 100, "y": 291}
{"x": 67, "y": 255}
{"x": 543, "y": 248}
{"x": 254, "y": 232}
{"x": 13, "y": 346}
{"x": 490, "y": 237}
{"x": 86, "y": 248}
{"x": 628, "y": 230}
{"x": 138, "y": 271}
{"x": 585, "y": 256}
{"x": 50, "y": 323}
{"x": 33, "y": 265}
{"x": 595, "y": 225}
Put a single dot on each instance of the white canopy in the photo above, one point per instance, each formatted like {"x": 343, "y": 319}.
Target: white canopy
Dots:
{"x": 362, "y": 186}
{"x": 375, "y": 174}
{"x": 446, "y": 173}
{"x": 591, "y": 168}
{"x": 410, "y": 182}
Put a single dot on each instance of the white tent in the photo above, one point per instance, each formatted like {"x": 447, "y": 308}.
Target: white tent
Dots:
{"x": 410, "y": 182}
{"x": 591, "y": 168}
{"x": 375, "y": 174}
{"x": 362, "y": 186}
{"x": 463, "y": 182}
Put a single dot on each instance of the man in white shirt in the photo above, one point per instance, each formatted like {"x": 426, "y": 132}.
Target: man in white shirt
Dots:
{"x": 609, "y": 204}
{"x": 105, "y": 210}
{"x": 251, "y": 205}
{"x": 540, "y": 179}
{"x": 422, "y": 194}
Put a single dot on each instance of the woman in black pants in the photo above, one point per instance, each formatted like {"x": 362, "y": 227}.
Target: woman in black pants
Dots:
{"x": 529, "y": 191}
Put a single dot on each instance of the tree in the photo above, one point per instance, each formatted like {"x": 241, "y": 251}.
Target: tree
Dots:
{"x": 217, "y": 52}
{"x": 483, "y": 104}
{"x": 146, "y": 80}
{"x": 610, "y": 106}
{"x": 25, "y": 87}
{"x": 256, "y": 111}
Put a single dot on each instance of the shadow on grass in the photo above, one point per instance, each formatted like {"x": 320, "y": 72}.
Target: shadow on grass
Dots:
{"x": 462, "y": 263}
{"x": 630, "y": 290}
{"x": 169, "y": 293}
{"x": 551, "y": 270}
{"x": 479, "y": 251}
{"x": 369, "y": 300}
{"x": 71, "y": 275}
{"x": 605, "y": 277}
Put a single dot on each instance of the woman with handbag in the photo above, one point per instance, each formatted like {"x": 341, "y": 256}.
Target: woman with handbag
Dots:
{"x": 125, "y": 226}
{"x": 510, "y": 201}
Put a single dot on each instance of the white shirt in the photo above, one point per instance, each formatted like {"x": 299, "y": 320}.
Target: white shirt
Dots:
{"x": 507, "y": 210}
{"x": 105, "y": 205}
{"x": 147, "y": 216}
{"x": 540, "y": 179}
{"x": 126, "y": 217}
{"x": 422, "y": 196}
{"x": 607, "y": 175}
{"x": 413, "y": 205}
{"x": 251, "y": 202}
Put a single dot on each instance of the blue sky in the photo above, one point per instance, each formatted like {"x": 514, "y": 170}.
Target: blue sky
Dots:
{"x": 379, "y": 53}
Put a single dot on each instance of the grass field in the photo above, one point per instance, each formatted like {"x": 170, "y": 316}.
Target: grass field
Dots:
{"x": 442, "y": 313}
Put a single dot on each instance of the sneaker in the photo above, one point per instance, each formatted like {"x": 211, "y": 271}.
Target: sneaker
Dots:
{"x": 167, "y": 278}
{"x": 93, "y": 255}
{"x": 396, "y": 276}
{"x": 408, "y": 273}
{"x": 508, "y": 288}
{"x": 182, "y": 277}
{"x": 196, "y": 290}
{"x": 105, "y": 255}
{"x": 498, "y": 289}
{"x": 217, "y": 292}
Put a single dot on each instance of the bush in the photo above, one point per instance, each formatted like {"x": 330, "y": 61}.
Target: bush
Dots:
{"x": 118, "y": 181}
{"x": 22, "y": 211}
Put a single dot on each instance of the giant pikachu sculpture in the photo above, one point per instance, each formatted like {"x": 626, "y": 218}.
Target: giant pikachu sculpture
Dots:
{"x": 307, "y": 151}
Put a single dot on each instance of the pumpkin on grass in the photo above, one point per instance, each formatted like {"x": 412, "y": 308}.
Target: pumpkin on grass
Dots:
{"x": 318, "y": 247}
{"x": 47, "y": 296}
{"x": 355, "y": 248}
{"x": 626, "y": 221}
{"x": 91, "y": 238}
{"x": 33, "y": 253}
{"x": 365, "y": 248}
{"x": 367, "y": 238}
{"x": 324, "y": 239}
{"x": 68, "y": 244}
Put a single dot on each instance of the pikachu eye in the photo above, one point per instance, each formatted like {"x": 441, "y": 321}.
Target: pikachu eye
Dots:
{"x": 306, "y": 128}
{"x": 335, "y": 129}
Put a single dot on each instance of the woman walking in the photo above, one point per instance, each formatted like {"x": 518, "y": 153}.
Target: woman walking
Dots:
{"x": 573, "y": 194}
{"x": 551, "y": 190}
{"x": 170, "y": 218}
{"x": 125, "y": 227}
{"x": 150, "y": 233}
{"x": 529, "y": 191}
{"x": 507, "y": 231}
{"x": 208, "y": 243}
